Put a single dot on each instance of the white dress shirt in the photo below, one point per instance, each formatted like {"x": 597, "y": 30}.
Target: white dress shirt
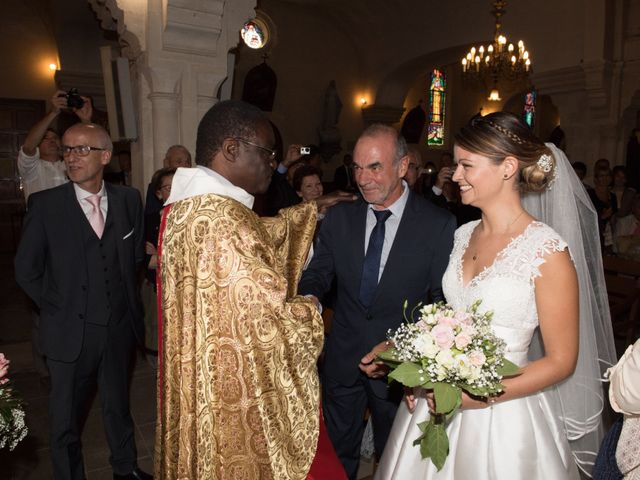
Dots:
{"x": 391, "y": 225}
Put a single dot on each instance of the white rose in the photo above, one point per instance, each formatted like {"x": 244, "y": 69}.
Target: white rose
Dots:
{"x": 441, "y": 373}
{"x": 429, "y": 319}
{"x": 425, "y": 345}
{"x": 475, "y": 373}
{"x": 445, "y": 359}
{"x": 430, "y": 348}
{"x": 427, "y": 309}
{"x": 463, "y": 366}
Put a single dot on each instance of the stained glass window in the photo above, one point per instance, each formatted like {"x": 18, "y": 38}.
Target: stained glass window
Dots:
{"x": 254, "y": 34}
{"x": 437, "y": 92}
{"x": 530, "y": 107}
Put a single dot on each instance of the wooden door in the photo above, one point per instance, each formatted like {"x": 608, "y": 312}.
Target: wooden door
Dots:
{"x": 16, "y": 118}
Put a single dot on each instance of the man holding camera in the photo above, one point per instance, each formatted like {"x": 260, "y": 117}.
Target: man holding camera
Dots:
{"x": 39, "y": 161}
{"x": 281, "y": 193}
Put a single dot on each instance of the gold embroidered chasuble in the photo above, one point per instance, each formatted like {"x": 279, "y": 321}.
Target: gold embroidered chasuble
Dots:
{"x": 238, "y": 394}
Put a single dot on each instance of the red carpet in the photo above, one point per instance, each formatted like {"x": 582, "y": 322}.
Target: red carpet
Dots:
{"x": 326, "y": 465}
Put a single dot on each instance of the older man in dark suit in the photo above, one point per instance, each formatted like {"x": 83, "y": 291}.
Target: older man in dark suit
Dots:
{"x": 81, "y": 245}
{"x": 391, "y": 247}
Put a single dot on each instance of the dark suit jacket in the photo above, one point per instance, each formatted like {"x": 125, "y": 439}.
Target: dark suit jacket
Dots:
{"x": 413, "y": 272}
{"x": 51, "y": 266}
{"x": 280, "y": 194}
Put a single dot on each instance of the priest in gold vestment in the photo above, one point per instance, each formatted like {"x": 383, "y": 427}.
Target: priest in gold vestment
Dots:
{"x": 238, "y": 394}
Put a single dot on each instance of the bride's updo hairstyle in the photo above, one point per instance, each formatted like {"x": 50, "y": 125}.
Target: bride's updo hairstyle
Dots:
{"x": 502, "y": 134}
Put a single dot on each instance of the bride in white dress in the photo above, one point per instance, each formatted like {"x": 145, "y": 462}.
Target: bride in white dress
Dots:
{"x": 526, "y": 273}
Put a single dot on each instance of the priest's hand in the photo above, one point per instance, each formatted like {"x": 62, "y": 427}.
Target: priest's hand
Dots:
{"x": 371, "y": 367}
{"x": 333, "y": 198}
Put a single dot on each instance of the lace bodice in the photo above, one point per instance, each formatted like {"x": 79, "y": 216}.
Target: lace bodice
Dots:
{"x": 506, "y": 286}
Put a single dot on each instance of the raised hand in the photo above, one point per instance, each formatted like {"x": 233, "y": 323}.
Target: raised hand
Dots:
{"x": 292, "y": 155}
{"x": 86, "y": 112}
{"x": 444, "y": 175}
{"x": 58, "y": 101}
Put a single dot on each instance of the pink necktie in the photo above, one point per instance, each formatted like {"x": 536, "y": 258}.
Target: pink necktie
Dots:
{"x": 96, "y": 219}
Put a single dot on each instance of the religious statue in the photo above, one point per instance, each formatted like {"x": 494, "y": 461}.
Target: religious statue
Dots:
{"x": 329, "y": 133}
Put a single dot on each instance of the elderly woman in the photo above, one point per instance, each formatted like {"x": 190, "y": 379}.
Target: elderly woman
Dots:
{"x": 308, "y": 185}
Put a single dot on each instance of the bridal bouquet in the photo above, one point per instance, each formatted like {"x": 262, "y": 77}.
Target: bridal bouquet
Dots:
{"x": 12, "y": 426}
{"x": 446, "y": 351}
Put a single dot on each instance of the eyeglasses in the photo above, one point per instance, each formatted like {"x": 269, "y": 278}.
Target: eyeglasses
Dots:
{"x": 270, "y": 154}
{"x": 80, "y": 150}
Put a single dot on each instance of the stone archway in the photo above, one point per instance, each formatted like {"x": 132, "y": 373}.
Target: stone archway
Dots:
{"x": 547, "y": 114}
{"x": 392, "y": 90}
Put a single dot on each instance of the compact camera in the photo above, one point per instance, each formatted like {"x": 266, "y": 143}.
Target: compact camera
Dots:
{"x": 74, "y": 100}
{"x": 305, "y": 150}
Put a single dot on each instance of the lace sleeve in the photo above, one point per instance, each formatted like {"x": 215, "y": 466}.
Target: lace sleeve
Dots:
{"x": 548, "y": 242}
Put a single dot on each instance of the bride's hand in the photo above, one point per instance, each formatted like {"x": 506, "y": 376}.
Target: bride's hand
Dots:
{"x": 409, "y": 399}
{"x": 471, "y": 403}
{"x": 411, "y": 402}
{"x": 468, "y": 402}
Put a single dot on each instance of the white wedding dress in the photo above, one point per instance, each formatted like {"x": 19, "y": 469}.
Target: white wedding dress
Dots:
{"x": 518, "y": 439}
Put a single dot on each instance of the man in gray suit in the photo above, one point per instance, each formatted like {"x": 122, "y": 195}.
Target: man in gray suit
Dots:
{"x": 390, "y": 247}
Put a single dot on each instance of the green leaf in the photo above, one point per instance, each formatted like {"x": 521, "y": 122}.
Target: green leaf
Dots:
{"x": 435, "y": 445}
{"x": 508, "y": 369}
{"x": 419, "y": 440}
{"x": 389, "y": 357}
{"x": 423, "y": 425}
{"x": 408, "y": 374}
{"x": 478, "y": 392}
{"x": 452, "y": 412}
{"x": 446, "y": 396}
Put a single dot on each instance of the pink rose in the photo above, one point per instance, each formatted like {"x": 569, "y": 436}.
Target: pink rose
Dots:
{"x": 462, "y": 340}
{"x": 463, "y": 318}
{"x": 477, "y": 358}
{"x": 443, "y": 335}
{"x": 468, "y": 330}
{"x": 449, "y": 321}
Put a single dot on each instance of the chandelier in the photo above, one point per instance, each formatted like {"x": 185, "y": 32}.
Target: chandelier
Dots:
{"x": 499, "y": 59}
